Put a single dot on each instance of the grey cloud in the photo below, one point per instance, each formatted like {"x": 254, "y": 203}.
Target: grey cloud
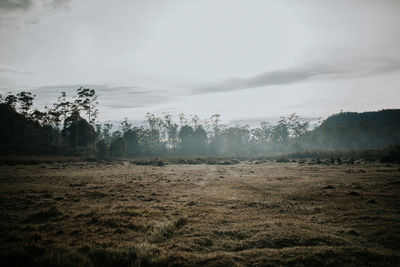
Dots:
{"x": 302, "y": 74}
{"x": 306, "y": 104}
{"x": 389, "y": 65}
{"x": 124, "y": 97}
{"x": 128, "y": 90}
{"x": 15, "y": 71}
{"x": 60, "y": 3}
{"x": 277, "y": 77}
{"x": 32, "y": 21}
{"x": 100, "y": 89}
{"x": 12, "y": 5}
{"x": 25, "y": 5}
{"x": 17, "y": 13}
{"x": 138, "y": 101}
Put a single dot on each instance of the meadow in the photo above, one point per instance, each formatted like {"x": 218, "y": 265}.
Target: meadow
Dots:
{"x": 254, "y": 213}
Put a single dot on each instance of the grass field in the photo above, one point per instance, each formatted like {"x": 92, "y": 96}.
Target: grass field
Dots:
{"x": 120, "y": 214}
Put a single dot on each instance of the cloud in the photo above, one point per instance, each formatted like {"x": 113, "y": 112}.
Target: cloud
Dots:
{"x": 25, "y": 5}
{"x": 277, "y": 77}
{"x": 15, "y": 71}
{"x": 128, "y": 97}
{"x": 12, "y": 5}
{"x": 59, "y": 3}
{"x": 126, "y": 102}
{"x": 17, "y": 13}
{"x": 302, "y": 74}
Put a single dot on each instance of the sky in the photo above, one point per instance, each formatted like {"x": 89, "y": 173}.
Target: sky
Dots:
{"x": 242, "y": 59}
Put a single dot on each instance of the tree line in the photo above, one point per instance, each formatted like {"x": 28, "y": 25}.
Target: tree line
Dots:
{"x": 70, "y": 126}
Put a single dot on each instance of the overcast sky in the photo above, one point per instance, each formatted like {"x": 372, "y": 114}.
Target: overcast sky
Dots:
{"x": 243, "y": 59}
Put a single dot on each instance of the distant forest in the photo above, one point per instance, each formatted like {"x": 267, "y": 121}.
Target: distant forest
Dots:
{"x": 70, "y": 128}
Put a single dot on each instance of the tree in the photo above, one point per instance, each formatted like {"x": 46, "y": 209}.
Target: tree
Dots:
{"x": 101, "y": 148}
{"x": 63, "y": 107}
{"x": 172, "y": 131}
{"x": 236, "y": 140}
{"x": 215, "y": 120}
{"x": 11, "y": 100}
{"x": 107, "y": 132}
{"x": 280, "y": 133}
{"x": 115, "y": 135}
{"x": 195, "y": 120}
{"x": 87, "y": 100}
{"x": 125, "y": 125}
{"x": 78, "y": 131}
{"x": 154, "y": 136}
{"x": 118, "y": 147}
{"x": 186, "y": 136}
{"x": 132, "y": 141}
{"x": 40, "y": 117}
{"x": 98, "y": 129}
{"x": 199, "y": 140}
{"x": 261, "y": 135}
{"x": 297, "y": 128}
{"x": 54, "y": 117}
{"x": 182, "y": 120}
{"x": 25, "y": 100}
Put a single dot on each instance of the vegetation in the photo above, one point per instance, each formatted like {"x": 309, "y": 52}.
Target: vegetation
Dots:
{"x": 352, "y": 131}
{"x": 70, "y": 128}
{"x": 247, "y": 214}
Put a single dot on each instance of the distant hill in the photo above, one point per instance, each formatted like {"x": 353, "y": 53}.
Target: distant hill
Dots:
{"x": 352, "y": 130}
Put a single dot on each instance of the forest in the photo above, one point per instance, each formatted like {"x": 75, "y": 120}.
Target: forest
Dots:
{"x": 70, "y": 128}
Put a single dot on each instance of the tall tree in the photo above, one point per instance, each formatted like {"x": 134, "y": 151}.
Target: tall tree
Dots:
{"x": 106, "y": 133}
{"x": 11, "y": 100}
{"x": 199, "y": 140}
{"x": 280, "y": 133}
{"x": 125, "y": 125}
{"x": 186, "y": 136}
{"x": 62, "y": 108}
{"x": 87, "y": 101}
{"x": 78, "y": 131}
{"x": 118, "y": 147}
{"x": 132, "y": 141}
{"x": 262, "y": 135}
{"x": 172, "y": 131}
{"x": 25, "y": 100}
{"x": 297, "y": 127}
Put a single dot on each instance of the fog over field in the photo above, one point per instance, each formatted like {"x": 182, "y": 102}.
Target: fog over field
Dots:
{"x": 199, "y": 133}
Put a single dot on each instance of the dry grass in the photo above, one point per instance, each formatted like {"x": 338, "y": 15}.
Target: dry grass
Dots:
{"x": 120, "y": 214}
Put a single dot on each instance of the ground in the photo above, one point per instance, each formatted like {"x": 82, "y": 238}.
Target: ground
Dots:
{"x": 121, "y": 214}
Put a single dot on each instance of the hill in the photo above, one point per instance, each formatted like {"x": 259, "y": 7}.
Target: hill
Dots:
{"x": 352, "y": 130}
